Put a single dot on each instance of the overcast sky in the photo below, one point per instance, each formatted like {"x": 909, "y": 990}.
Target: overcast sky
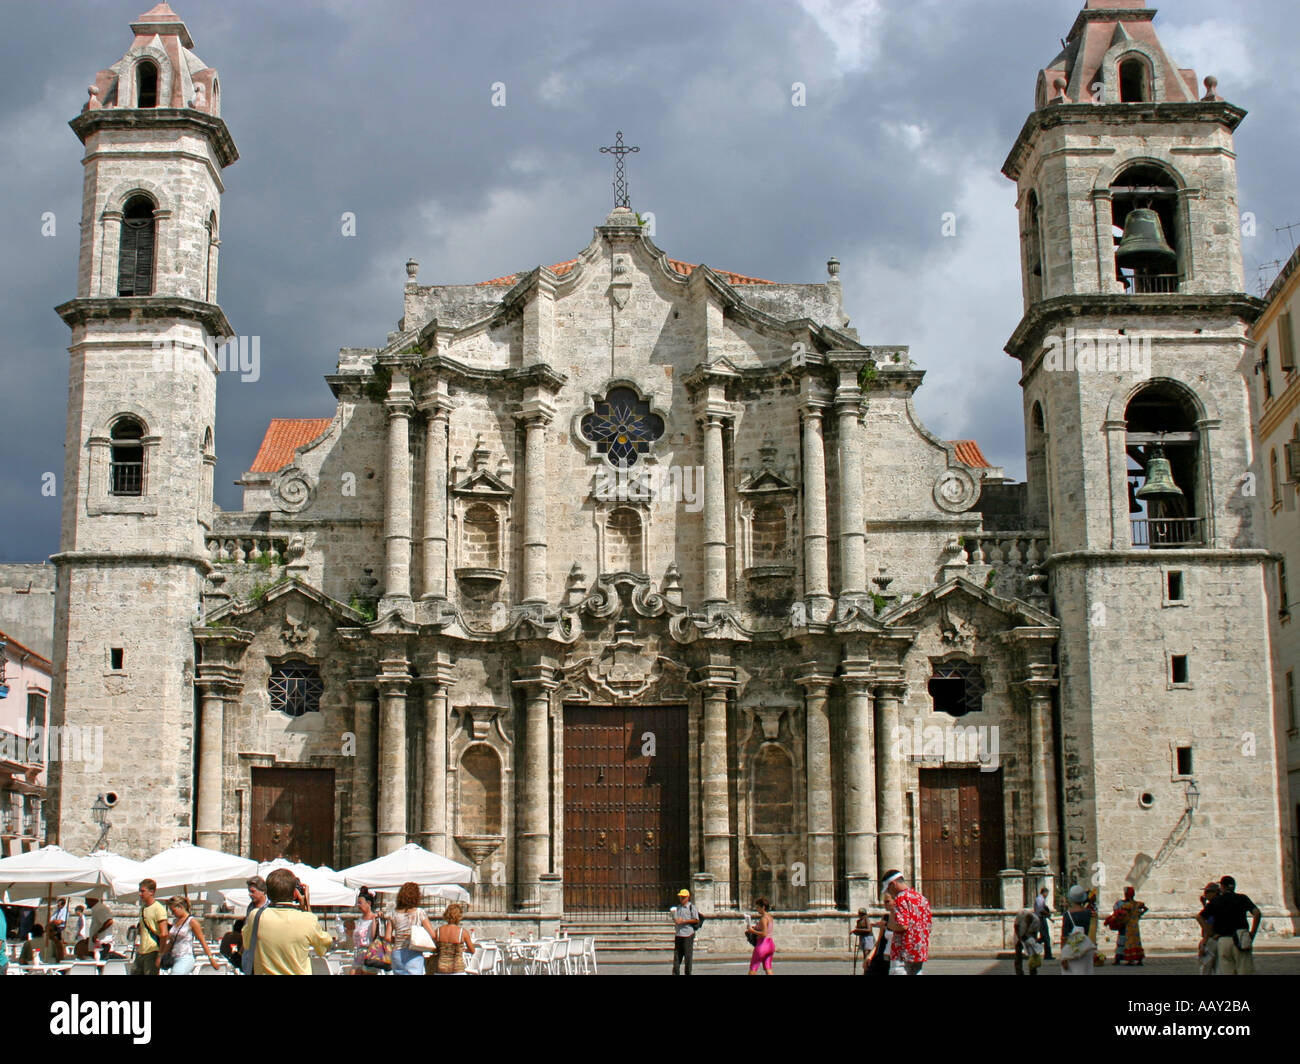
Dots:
{"x": 385, "y": 109}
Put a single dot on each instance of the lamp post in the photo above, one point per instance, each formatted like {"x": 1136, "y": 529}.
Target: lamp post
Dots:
{"x": 1193, "y": 796}
{"x": 99, "y": 814}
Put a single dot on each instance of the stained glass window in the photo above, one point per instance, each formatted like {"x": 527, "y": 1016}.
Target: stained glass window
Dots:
{"x": 622, "y": 427}
{"x": 295, "y": 688}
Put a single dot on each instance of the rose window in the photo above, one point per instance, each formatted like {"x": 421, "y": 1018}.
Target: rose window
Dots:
{"x": 621, "y": 427}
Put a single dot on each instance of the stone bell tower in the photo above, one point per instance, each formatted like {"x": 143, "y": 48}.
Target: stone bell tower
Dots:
{"x": 137, "y": 490}
{"x": 1137, "y": 416}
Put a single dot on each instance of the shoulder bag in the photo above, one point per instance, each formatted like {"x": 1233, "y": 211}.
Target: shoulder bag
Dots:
{"x": 420, "y": 938}
{"x": 379, "y": 954}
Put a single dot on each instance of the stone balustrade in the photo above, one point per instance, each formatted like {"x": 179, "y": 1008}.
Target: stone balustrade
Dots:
{"x": 245, "y": 550}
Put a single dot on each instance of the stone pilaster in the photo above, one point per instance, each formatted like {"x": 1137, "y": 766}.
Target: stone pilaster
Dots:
{"x": 433, "y": 584}
{"x": 363, "y": 830}
{"x": 816, "y": 561}
{"x": 889, "y": 775}
{"x": 219, "y": 679}
{"x": 438, "y": 680}
{"x": 714, "y": 681}
{"x": 859, "y": 771}
{"x": 1042, "y": 741}
{"x": 816, "y": 682}
{"x": 533, "y": 834}
{"x": 535, "y": 415}
{"x": 394, "y": 681}
{"x": 397, "y": 491}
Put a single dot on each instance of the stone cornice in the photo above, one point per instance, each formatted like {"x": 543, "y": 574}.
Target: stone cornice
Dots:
{"x": 1124, "y": 116}
{"x": 108, "y": 557}
{"x": 86, "y": 309}
{"x": 1068, "y": 308}
{"x": 134, "y": 118}
{"x": 1249, "y": 556}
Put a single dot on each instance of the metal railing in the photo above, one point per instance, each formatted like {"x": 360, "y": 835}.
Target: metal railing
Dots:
{"x": 1168, "y": 531}
{"x": 1152, "y": 284}
{"x": 500, "y": 898}
{"x": 126, "y": 478}
{"x": 963, "y": 893}
{"x": 621, "y": 899}
{"x": 790, "y": 897}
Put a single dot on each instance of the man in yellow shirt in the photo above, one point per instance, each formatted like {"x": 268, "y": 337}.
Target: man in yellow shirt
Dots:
{"x": 282, "y": 933}
{"x": 151, "y": 935}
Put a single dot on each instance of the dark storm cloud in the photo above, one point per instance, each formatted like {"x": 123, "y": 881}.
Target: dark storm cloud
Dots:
{"x": 384, "y": 110}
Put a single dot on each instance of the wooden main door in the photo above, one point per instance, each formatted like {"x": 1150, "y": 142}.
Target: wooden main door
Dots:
{"x": 626, "y": 846}
{"x": 293, "y": 815}
{"x": 963, "y": 846}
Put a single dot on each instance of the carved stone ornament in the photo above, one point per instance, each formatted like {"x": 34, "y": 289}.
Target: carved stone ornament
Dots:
{"x": 955, "y": 490}
{"x": 620, "y": 288}
{"x": 292, "y": 490}
{"x": 297, "y": 630}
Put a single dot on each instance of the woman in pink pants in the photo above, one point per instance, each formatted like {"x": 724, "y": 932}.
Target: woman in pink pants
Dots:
{"x": 765, "y": 946}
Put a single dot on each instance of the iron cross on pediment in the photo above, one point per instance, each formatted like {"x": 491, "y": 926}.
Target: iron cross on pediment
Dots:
{"x": 618, "y": 150}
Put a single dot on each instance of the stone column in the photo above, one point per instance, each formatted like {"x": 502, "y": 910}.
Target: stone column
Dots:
{"x": 110, "y": 248}
{"x": 1121, "y": 521}
{"x": 437, "y": 686}
{"x": 533, "y": 835}
{"x": 714, "y": 683}
{"x": 394, "y": 681}
{"x": 536, "y": 415}
{"x": 889, "y": 777}
{"x": 434, "y": 582}
{"x": 859, "y": 772}
{"x": 853, "y": 536}
{"x": 1042, "y": 769}
{"x": 816, "y": 565}
{"x": 365, "y": 713}
{"x": 397, "y": 492}
{"x": 715, "y": 510}
{"x": 816, "y": 683}
{"x": 219, "y": 679}
{"x": 1102, "y": 214}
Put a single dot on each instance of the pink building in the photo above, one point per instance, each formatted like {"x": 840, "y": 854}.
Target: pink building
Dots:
{"x": 24, "y": 723}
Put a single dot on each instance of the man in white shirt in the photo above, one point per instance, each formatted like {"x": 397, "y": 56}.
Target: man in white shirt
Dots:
{"x": 686, "y": 921}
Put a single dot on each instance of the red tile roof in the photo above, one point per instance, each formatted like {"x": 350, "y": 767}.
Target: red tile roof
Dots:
{"x": 283, "y": 436}
{"x": 968, "y": 452}
{"x": 684, "y": 268}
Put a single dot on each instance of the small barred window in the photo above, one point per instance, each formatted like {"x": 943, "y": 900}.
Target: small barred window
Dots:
{"x": 295, "y": 688}
{"x": 957, "y": 687}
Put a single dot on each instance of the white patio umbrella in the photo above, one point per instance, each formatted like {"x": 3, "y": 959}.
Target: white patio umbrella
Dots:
{"x": 325, "y": 890}
{"x": 119, "y": 874}
{"x": 44, "y": 874}
{"x": 410, "y": 864}
{"x": 448, "y": 891}
{"x": 182, "y": 866}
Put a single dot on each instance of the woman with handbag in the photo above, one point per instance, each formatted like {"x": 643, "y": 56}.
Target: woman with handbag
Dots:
{"x": 760, "y": 934}
{"x": 179, "y": 958}
{"x": 365, "y": 934}
{"x": 451, "y": 943}
{"x": 407, "y": 922}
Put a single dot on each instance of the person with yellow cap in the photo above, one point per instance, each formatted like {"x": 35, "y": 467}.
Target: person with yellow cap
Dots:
{"x": 686, "y": 921}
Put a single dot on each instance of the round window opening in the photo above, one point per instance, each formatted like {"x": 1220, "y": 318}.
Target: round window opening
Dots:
{"x": 1147, "y": 800}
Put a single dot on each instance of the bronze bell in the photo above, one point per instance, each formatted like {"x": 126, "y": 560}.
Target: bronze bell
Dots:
{"x": 1142, "y": 247}
{"x": 1160, "y": 480}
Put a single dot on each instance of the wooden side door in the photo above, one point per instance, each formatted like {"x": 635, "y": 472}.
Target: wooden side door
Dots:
{"x": 293, "y": 815}
{"x": 962, "y": 844}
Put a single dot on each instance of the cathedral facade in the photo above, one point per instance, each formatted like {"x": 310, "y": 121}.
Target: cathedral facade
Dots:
{"x": 624, "y": 574}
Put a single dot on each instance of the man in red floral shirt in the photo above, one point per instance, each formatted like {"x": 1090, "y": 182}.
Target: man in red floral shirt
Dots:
{"x": 909, "y": 919}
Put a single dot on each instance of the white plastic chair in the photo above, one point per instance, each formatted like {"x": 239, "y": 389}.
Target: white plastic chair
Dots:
{"x": 541, "y": 960}
{"x": 83, "y": 968}
{"x": 204, "y": 967}
{"x": 560, "y": 958}
{"x": 492, "y": 961}
{"x": 115, "y": 967}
